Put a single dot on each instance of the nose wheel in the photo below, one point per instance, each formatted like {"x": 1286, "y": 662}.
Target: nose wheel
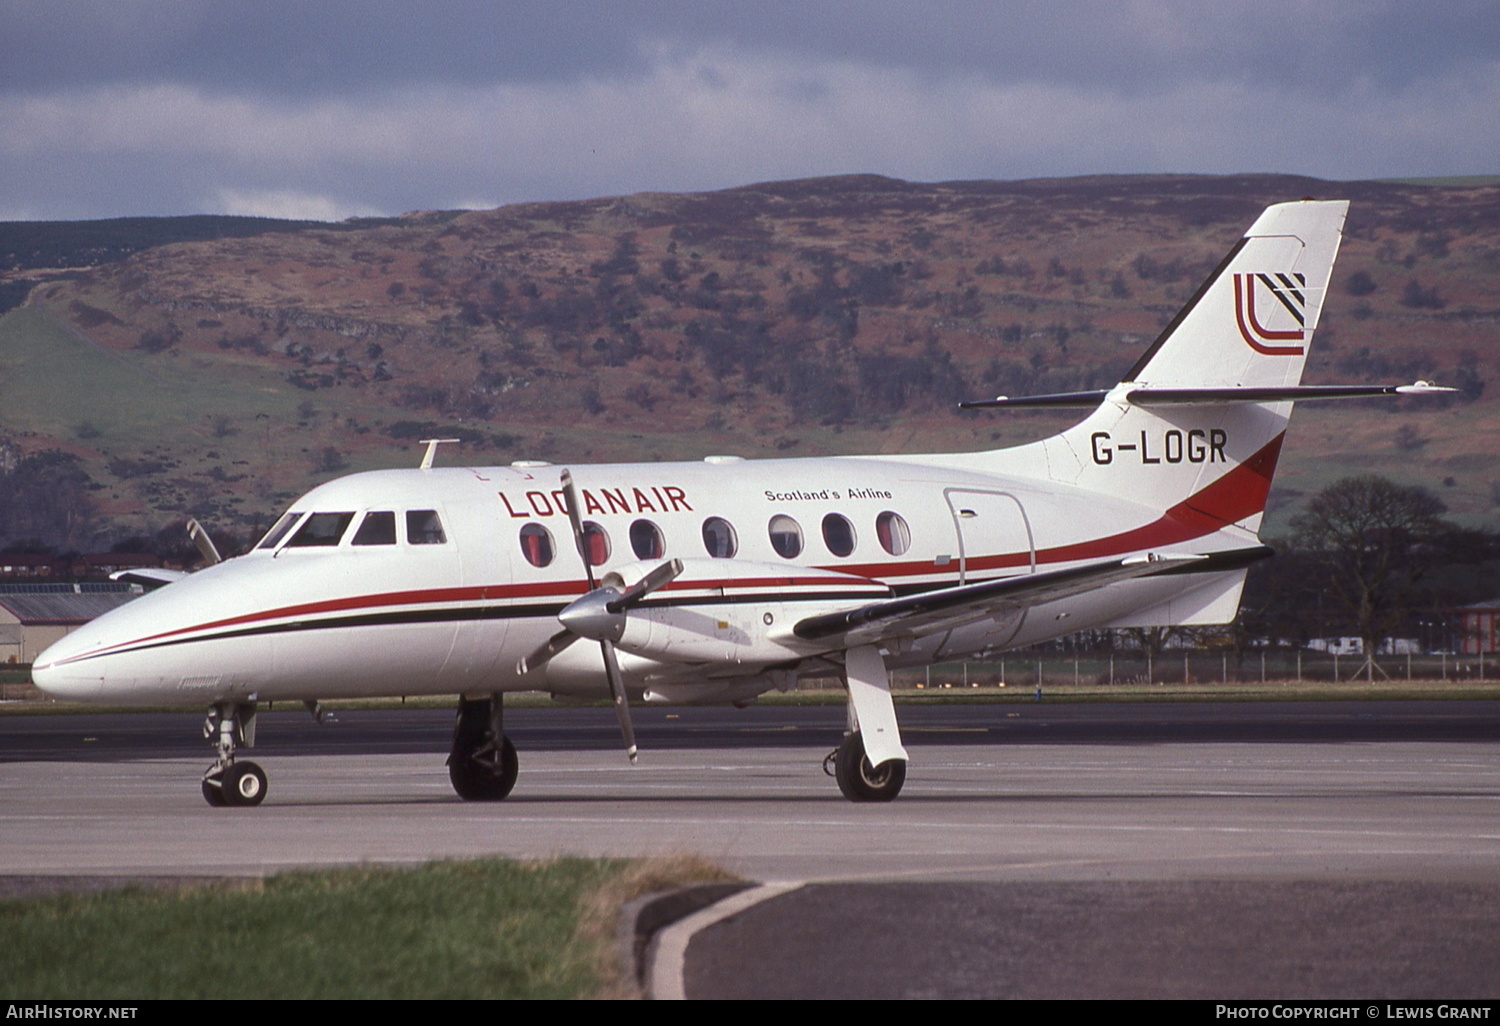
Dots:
{"x": 483, "y": 764}
{"x": 227, "y": 782}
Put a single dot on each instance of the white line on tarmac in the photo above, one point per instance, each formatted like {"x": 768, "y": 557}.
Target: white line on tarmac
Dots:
{"x": 668, "y": 953}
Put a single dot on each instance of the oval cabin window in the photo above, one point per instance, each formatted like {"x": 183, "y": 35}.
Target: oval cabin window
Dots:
{"x": 838, "y": 534}
{"x": 719, "y": 538}
{"x": 786, "y": 536}
{"x": 894, "y": 535}
{"x": 595, "y": 543}
{"x": 646, "y": 540}
{"x": 536, "y": 544}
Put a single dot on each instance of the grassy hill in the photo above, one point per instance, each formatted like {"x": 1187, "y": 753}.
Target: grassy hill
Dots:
{"x": 220, "y": 377}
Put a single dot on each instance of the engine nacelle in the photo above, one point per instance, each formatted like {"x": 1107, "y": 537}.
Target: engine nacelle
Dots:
{"x": 733, "y": 611}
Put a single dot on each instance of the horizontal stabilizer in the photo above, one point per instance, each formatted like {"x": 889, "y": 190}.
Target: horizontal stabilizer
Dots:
{"x": 1204, "y": 396}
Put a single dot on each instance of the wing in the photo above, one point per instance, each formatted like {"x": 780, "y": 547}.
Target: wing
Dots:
{"x": 148, "y": 576}
{"x": 933, "y": 611}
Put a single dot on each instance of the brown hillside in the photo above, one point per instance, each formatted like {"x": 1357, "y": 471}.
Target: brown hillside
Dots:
{"x": 791, "y": 318}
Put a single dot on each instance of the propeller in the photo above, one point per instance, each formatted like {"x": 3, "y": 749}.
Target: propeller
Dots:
{"x": 205, "y": 544}
{"x": 599, "y": 615}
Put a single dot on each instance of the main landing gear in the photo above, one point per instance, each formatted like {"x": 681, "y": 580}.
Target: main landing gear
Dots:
{"x": 483, "y": 763}
{"x": 228, "y": 782}
{"x": 870, "y": 763}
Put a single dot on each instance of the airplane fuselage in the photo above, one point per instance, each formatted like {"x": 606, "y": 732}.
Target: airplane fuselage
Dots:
{"x": 764, "y": 544}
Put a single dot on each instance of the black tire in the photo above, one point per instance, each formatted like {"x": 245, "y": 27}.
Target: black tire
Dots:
{"x": 476, "y": 781}
{"x": 244, "y": 784}
{"x": 861, "y": 782}
{"x": 213, "y": 791}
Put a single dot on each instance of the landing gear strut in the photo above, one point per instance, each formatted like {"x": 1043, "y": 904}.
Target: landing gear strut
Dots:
{"x": 228, "y": 782}
{"x": 483, "y": 763}
{"x": 870, "y": 763}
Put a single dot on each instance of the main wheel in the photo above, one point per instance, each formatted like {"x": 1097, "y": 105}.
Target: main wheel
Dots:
{"x": 244, "y": 784}
{"x": 213, "y": 791}
{"x": 480, "y": 781}
{"x": 862, "y": 782}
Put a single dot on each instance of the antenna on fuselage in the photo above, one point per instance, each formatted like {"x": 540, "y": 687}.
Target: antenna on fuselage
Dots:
{"x": 432, "y": 444}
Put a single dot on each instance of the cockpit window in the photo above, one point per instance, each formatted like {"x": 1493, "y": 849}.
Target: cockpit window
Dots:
{"x": 321, "y": 529}
{"x": 278, "y": 532}
{"x": 378, "y": 528}
{"x": 424, "y": 527}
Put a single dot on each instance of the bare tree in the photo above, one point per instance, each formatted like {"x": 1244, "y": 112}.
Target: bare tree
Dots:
{"x": 1373, "y": 537}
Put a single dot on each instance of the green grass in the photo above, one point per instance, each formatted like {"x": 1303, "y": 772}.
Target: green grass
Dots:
{"x": 478, "y": 929}
{"x": 55, "y": 381}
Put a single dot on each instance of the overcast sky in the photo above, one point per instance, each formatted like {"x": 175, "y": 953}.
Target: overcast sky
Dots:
{"x": 336, "y": 108}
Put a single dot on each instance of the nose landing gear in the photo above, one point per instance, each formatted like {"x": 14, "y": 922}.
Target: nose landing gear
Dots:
{"x": 228, "y": 782}
{"x": 483, "y": 764}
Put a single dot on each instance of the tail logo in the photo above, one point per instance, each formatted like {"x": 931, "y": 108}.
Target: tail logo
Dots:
{"x": 1287, "y": 290}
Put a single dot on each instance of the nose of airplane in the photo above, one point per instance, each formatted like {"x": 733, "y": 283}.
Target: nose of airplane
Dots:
{"x": 62, "y": 680}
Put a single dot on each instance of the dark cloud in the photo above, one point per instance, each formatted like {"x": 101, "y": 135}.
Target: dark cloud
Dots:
{"x": 353, "y": 106}
{"x": 291, "y": 46}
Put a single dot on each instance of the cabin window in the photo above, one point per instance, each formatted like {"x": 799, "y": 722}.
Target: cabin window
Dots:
{"x": 646, "y": 540}
{"x": 376, "y": 529}
{"x": 786, "y": 536}
{"x": 321, "y": 529}
{"x": 838, "y": 534}
{"x": 894, "y": 535}
{"x": 719, "y": 538}
{"x": 536, "y": 545}
{"x": 424, "y": 527}
{"x": 279, "y": 530}
{"x": 595, "y": 543}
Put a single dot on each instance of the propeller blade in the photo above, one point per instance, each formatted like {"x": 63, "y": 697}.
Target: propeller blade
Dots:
{"x": 657, "y": 578}
{"x": 560, "y": 641}
{"x": 571, "y": 494}
{"x": 617, "y": 691}
{"x": 546, "y": 650}
{"x": 204, "y": 543}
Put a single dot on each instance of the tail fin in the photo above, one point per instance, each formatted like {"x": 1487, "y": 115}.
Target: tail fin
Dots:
{"x": 1252, "y": 321}
{"x": 1197, "y": 423}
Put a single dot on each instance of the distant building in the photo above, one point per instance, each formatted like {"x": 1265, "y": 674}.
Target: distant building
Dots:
{"x": 88, "y": 566}
{"x": 1478, "y": 625}
{"x": 33, "y": 616}
{"x": 31, "y": 566}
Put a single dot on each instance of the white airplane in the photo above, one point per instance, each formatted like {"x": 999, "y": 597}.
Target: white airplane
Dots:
{"x": 714, "y": 582}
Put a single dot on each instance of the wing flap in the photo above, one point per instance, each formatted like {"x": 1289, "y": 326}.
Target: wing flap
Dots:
{"x": 933, "y": 611}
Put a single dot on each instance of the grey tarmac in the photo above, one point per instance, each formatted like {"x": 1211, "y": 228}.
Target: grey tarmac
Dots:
{"x": 1378, "y": 852}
